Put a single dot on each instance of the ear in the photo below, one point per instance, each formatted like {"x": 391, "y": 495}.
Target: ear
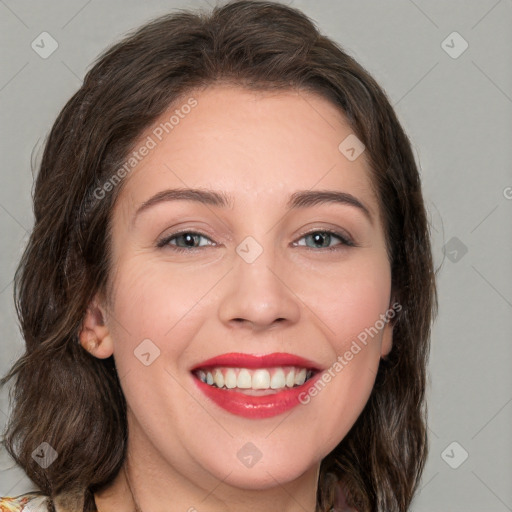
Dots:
{"x": 387, "y": 339}
{"x": 94, "y": 334}
{"x": 387, "y": 333}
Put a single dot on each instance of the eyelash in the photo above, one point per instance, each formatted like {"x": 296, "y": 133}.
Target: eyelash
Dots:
{"x": 345, "y": 241}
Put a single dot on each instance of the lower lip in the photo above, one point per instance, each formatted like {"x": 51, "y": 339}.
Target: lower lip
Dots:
{"x": 256, "y": 407}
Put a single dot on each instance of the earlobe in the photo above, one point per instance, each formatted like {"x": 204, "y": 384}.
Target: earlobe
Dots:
{"x": 387, "y": 340}
{"x": 94, "y": 334}
{"x": 387, "y": 333}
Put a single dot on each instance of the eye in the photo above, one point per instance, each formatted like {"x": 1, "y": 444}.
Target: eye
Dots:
{"x": 184, "y": 241}
{"x": 190, "y": 240}
{"x": 323, "y": 239}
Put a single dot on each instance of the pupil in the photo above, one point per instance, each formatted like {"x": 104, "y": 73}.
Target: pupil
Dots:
{"x": 320, "y": 238}
{"x": 189, "y": 240}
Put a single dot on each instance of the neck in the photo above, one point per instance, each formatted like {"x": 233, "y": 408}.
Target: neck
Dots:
{"x": 150, "y": 483}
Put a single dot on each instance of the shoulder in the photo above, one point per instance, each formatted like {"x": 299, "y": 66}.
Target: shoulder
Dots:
{"x": 29, "y": 502}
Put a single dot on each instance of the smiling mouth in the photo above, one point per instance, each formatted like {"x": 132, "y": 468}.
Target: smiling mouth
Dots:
{"x": 256, "y": 386}
{"x": 254, "y": 381}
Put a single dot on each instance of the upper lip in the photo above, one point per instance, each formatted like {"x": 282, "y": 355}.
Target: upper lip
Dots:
{"x": 240, "y": 360}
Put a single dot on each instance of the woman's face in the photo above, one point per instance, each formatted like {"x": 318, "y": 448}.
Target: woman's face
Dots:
{"x": 247, "y": 269}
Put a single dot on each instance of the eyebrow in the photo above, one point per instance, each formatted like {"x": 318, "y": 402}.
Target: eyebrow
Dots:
{"x": 299, "y": 199}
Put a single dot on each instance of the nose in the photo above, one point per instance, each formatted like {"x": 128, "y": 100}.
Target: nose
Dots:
{"x": 259, "y": 295}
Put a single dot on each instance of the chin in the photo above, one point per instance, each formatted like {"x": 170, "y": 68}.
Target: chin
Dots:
{"x": 265, "y": 473}
{"x": 262, "y": 479}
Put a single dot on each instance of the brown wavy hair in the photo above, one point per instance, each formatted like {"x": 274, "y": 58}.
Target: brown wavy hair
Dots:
{"x": 64, "y": 396}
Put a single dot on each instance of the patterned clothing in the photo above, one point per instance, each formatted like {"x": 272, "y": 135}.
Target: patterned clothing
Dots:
{"x": 33, "y": 502}
{"x": 30, "y": 502}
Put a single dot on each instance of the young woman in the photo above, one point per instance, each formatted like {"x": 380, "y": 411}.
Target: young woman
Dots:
{"x": 228, "y": 291}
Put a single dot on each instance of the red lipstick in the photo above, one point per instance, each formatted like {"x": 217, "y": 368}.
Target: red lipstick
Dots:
{"x": 240, "y": 360}
{"x": 251, "y": 406}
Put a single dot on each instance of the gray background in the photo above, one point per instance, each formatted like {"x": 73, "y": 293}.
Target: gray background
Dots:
{"x": 457, "y": 112}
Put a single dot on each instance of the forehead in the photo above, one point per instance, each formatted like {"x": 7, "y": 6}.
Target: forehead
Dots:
{"x": 262, "y": 145}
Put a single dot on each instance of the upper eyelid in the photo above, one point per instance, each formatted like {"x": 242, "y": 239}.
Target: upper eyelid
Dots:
{"x": 339, "y": 232}
{"x": 167, "y": 238}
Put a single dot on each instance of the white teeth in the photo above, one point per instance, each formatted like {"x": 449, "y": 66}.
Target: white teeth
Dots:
{"x": 218, "y": 378}
{"x": 244, "y": 380}
{"x": 300, "y": 377}
{"x": 261, "y": 379}
{"x": 290, "y": 378}
{"x": 278, "y": 380}
{"x": 230, "y": 378}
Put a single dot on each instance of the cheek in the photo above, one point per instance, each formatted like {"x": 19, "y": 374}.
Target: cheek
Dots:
{"x": 350, "y": 306}
{"x": 348, "y": 299}
{"x": 154, "y": 301}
